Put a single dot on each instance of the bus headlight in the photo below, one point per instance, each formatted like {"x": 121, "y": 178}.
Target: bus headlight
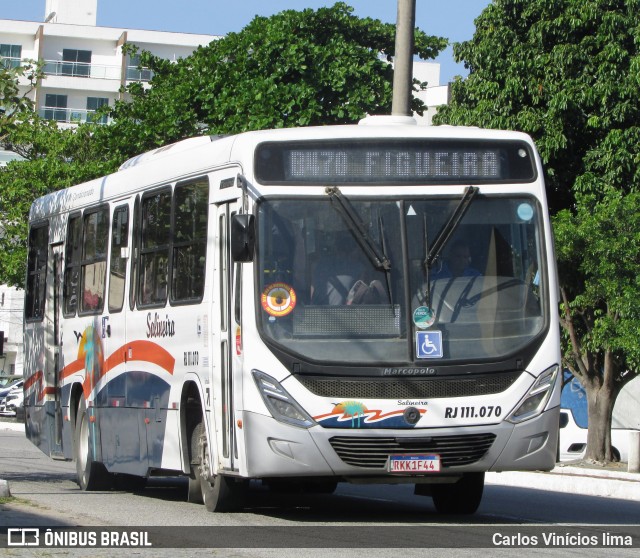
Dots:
{"x": 281, "y": 405}
{"x": 536, "y": 399}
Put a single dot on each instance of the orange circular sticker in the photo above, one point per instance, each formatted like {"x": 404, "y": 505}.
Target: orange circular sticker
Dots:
{"x": 278, "y": 299}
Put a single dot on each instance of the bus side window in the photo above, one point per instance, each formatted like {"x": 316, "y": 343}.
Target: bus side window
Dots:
{"x": 118, "y": 262}
{"x": 94, "y": 260}
{"x": 154, "y": 248}
{"x": 190, "y": 216}
{"x": 36, "y": 272}
{"x": 73, "y": 251}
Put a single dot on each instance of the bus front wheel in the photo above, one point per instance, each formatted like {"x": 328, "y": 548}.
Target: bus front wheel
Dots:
{"x": 460, "y": 498}
{"x": 92, "y": 475}
{"x": 221, "y": 493}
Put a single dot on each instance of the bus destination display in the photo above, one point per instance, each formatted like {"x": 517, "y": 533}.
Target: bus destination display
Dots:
{"x": 394, "y": 162}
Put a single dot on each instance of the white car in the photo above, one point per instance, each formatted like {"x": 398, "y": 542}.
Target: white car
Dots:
{"x": 12, "y": 400}
{"x": 573, "y": 439}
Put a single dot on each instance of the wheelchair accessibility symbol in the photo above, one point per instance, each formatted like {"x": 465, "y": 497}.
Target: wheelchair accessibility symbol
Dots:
{"x": 429, "y": 344}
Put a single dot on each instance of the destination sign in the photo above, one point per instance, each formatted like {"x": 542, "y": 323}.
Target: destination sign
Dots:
{"x": 394, "y": 162}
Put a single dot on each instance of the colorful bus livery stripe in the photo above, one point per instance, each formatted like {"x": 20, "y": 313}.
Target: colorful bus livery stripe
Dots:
{"x": 139, "y": 351}
{"x": 354, "y": 414}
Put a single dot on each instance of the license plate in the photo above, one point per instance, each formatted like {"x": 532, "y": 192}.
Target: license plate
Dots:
{"x": 414, "y": 464}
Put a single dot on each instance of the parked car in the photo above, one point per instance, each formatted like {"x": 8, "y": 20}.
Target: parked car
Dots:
{"x": 9, "y": 386}
{"x": 573, "y": 439}
{"x": 14, "y": 399}
{"x": 6, "y": 381}
{"x": 11, "y": 396}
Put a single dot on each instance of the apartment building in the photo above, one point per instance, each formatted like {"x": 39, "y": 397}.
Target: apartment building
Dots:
{"x": 84, "y": 65}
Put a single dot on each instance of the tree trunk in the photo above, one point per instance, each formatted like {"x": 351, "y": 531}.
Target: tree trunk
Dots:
{"x": 600, "y": 399}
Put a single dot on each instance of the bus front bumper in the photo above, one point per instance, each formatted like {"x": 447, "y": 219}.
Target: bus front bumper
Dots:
{"x": 275, "y": 449}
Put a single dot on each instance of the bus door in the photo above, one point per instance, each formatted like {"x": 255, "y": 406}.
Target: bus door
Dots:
{"x": 53, "y": 348}
{"x": 225, "y": 396}
{"x": 119, "y": 444}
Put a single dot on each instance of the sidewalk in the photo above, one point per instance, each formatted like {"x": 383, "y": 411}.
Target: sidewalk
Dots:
{"x": 575, "y": 478}
{"x": 570, "y": 477}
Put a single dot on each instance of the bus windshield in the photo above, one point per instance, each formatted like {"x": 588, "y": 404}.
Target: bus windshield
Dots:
{"x": 325, "y": 296}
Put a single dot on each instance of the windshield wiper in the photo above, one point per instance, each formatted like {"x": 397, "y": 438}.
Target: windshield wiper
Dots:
{"x": 433, "y": 252}
{"x": 449, "y": 227}
{"x": 356, "y": 226}
{"x": 376, "y": 254}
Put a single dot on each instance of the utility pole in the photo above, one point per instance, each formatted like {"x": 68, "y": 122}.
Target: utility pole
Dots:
{"x": 403, "y": 62}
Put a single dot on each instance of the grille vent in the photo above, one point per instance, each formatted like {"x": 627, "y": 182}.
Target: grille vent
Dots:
{"x": 432, "y": 388}
{"x": 373, "y": 453}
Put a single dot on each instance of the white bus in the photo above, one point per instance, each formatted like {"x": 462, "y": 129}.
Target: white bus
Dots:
{"x": 372, "y": 303}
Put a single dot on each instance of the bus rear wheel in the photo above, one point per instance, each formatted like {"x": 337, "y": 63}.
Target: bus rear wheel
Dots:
{"x": 92, "y": 475}
{"x": 460, "y": 498}
{"x": 221, "y": 493}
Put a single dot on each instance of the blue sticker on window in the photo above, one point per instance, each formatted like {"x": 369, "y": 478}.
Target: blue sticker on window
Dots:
{"x": 429, "y": 344}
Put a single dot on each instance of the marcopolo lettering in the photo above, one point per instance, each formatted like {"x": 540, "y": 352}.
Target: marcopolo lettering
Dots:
{"x": 409, "y": 372}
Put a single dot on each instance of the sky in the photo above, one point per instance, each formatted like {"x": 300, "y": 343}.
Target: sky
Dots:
{"x": 452, "y": 19}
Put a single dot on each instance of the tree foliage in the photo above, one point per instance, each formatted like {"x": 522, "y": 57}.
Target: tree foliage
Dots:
{"x": 567, "y": 72}
{"x": 56, "y": 158}
{"x": 598, "y": 246}
{"x": 15, "y": 100}
{"x": 296, "y": 68}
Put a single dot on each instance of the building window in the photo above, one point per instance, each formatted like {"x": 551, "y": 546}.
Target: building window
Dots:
{"x": 36, "y": 272}
{"x": 76, "y": 63}
{"x": 10, "y": 55}
{"x": 137, "y": 73}
{"x": 93, "y": 104}
{"x": 55, "y": 107}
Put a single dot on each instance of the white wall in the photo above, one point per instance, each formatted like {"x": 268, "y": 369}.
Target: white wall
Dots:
{"x": 75, "y": 12}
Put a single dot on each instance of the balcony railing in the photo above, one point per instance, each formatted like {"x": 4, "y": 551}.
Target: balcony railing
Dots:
{"x": 136, "y": 74}
{"x": 81, "y": 69}
{"x": 9, "y": 62}
{"x": 84, "y": 70}
{"x": 71, "y": 115}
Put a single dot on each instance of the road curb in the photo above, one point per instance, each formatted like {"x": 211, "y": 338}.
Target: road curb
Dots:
{"x": 574, "y": 480}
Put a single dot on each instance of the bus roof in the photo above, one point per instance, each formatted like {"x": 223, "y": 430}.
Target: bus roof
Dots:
{"x": 198, "y": 155}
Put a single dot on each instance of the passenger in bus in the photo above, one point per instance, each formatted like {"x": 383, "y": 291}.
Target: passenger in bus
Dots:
{"x": 345, "y": 276}
{"x": 457, "y": 264}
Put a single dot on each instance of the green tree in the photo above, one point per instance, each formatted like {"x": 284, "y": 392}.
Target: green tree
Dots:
{"x": 567, "y": 72}
{"x": 598, "y": 245}
{"x": 296, "y": 68}
{"x": 14, "y": 99}
{"x": 55, "y": 158}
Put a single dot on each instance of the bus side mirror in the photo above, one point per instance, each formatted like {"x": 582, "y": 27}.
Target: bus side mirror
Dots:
{"x": 243, "y": 237}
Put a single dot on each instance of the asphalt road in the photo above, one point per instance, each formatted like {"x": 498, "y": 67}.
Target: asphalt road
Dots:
{"x": 354, "y": 517}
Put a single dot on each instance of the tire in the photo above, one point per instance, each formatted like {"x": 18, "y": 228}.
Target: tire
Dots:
{"x": 460, "y": 498}
{"x": 194, "y": 490}
{"x": 92, "y": 475}
{"x": 219, "y": 493}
